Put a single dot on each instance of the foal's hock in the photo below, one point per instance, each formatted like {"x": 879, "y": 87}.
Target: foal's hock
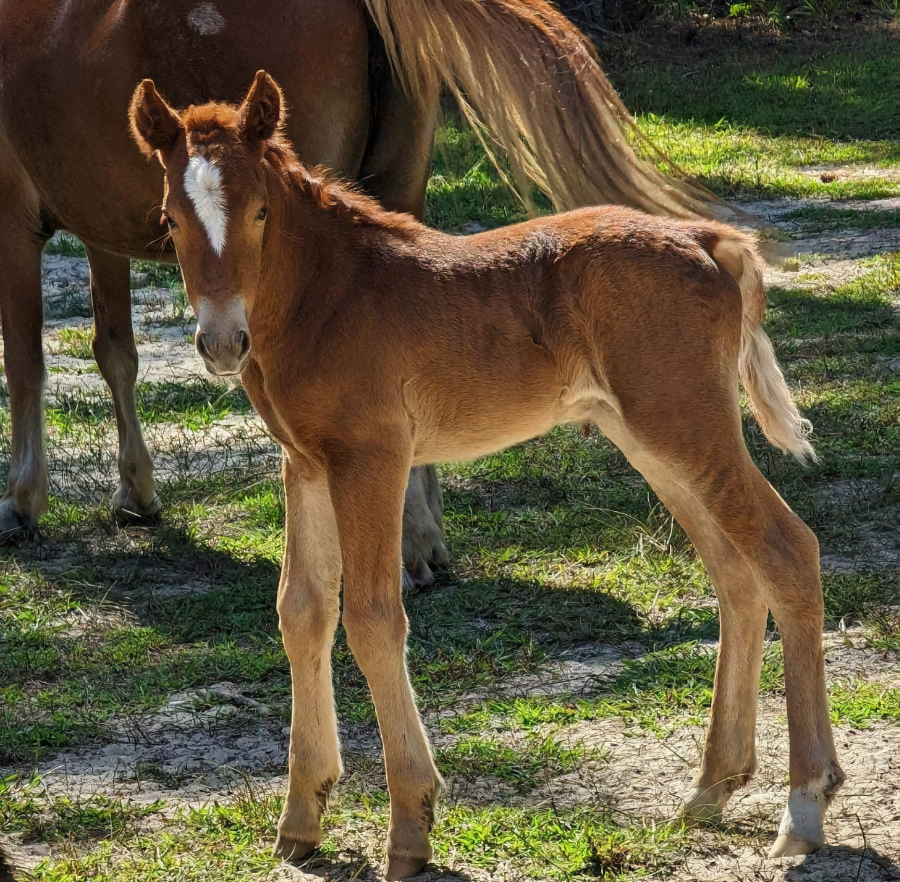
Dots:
{"x": 370, "y": 343}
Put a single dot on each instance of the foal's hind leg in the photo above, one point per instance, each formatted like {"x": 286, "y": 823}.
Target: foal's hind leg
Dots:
{"x": 117, "y": 358}
{"x": 308, "y": 615}
{"x": 22, "y": 317}
{"x": 729, "y": 756}
{"x": 699, "y": 463}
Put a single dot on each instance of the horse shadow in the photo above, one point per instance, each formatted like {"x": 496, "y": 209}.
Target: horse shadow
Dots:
{"x": 864, "y": 864}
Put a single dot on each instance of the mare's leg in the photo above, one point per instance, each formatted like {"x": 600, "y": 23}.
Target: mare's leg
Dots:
{"x": 689, "y": 446}
{"x": 395, "y": 171}
{"x": 308, "y": 610}
{"x": 423, "y": 540}
{"x": 367, "y": 492}
{"x": 22, "y": 317}
{"x": 117, "y": 359}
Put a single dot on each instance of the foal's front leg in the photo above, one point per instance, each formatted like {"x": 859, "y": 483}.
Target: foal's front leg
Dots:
{"x": 367, "y": 492}
{"x": 308, "y": 611}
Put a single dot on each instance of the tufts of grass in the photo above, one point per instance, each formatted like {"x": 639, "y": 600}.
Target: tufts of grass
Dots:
{"x": 76, "y": 342}
{"x": 524, "y": 765}
{"x": 818, "y": 218}
{"x": 66, "y": 245}
{"x": 25, "y": 808}
{"x": 553, "y": 844}
{"x": 861, "y": 703}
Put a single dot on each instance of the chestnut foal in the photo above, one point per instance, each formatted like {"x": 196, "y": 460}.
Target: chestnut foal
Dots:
{"x": 370, "y": 343}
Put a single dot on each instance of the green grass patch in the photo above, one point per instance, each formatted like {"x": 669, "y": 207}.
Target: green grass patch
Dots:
{"x": 862, "y": 703}
{"x": 819, "y": 218}
{"x": 75, "y": 342}
{"x": 525, "y": 765}
{"x": 25, "y": 808}
{"x": 66, "y": 245}
{"x": 195, "y": 404}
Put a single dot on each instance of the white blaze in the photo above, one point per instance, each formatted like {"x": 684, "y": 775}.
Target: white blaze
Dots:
{"x": 203, "y": 185}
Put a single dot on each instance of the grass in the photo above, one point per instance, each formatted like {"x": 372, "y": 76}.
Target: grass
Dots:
{"x": 560, "y": 551}
{"x": 75, "y": 342}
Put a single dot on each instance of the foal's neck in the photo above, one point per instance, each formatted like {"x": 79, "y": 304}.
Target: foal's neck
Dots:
{"x": 325, "y": 230}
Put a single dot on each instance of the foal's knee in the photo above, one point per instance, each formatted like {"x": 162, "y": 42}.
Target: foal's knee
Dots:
{"x": 374, "y": 627}
{"x": 305, "y": 618}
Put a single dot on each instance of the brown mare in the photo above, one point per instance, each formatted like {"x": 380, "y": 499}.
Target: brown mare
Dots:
{"x": 67, "y": 72}
{"x": 370, "y": 343}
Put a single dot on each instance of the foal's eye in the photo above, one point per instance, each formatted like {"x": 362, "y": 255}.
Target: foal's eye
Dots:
{"x": 261, "y": 214}
{"x": 170, "y": 223}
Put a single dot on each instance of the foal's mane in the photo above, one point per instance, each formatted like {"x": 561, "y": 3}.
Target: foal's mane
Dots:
{"x": 335, "y": 196}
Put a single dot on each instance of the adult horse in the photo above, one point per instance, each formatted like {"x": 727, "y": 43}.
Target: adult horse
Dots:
{"x": 366, "y": 81}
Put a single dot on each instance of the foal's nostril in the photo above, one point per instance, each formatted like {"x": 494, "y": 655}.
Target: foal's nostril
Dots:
{"x": 243, "y": 343}
{"x": 201, "y": 346}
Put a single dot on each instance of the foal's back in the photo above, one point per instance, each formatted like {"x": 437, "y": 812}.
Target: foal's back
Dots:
{"x": 502, "y": 335}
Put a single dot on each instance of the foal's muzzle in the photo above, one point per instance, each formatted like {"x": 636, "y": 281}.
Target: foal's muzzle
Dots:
{"x": 224, "y": 353}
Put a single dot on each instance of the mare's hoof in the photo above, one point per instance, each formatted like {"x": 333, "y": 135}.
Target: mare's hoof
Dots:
{"x": 403, "y": 867}
{"x": 13, "y": 524}
{"x": 289, "y": 849}
{"x": 128, "y": 508}
{"x": 417, "y": 563}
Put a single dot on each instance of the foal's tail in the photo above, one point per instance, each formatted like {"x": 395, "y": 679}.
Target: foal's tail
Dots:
{"x": 529, "y": 82}
{"x": 770, "y": 398}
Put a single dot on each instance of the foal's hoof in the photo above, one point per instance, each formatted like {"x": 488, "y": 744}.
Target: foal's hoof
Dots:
{"x": 788, "y": 845}
{"x": 704, "y": 805}
{"x": 403, "y": 867}
{"x": 802, "y": 829}
{"x": 289, "y": 849}
{"x": 128, "y": 508}
{"x": 13, "y": 524}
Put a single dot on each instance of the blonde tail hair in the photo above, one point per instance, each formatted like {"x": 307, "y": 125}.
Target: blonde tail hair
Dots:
{"x": 770, "y": 398}
{"x": 528, "y": 81}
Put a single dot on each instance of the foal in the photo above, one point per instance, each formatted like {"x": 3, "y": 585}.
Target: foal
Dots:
{"x": 379, "y": 344}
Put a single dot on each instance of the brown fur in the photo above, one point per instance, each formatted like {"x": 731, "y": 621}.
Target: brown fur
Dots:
{"x": 378, "y": 343}
{"x": 69, "y": 69}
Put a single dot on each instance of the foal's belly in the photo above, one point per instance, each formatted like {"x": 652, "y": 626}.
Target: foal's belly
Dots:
{"x": 465, "y": 417}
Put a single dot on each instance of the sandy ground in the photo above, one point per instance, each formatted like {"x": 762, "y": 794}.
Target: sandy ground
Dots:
{"x": 188, "y": 757}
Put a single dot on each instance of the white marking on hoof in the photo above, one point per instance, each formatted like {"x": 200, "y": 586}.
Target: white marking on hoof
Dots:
{"x": 206, "y": 20}
{"x": 802, "y": 827}
{"x": 203, "y": 185}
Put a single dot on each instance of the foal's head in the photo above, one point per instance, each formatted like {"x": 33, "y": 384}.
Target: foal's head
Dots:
{"x": 215, "y": 205}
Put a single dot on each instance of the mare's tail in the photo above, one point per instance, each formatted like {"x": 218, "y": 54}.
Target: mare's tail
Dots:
{"x": 770, "y": 398}
{"x": 529, "y": 81}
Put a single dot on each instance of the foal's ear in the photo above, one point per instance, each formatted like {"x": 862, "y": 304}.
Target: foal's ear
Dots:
{"x": 263, "y": 109}
{"x": 154, "y": 125}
